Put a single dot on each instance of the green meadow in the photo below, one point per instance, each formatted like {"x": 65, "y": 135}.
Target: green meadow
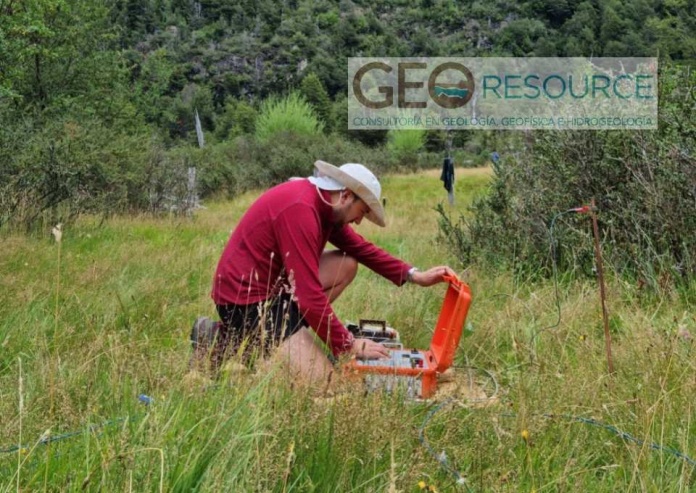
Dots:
{"x": 90, "y": 323}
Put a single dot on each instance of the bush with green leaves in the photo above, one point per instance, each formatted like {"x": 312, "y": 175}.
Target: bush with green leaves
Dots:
{"x": 644, "y": 184}
{"x": 404, "y": 146}
{"x": 290, "y": 114}
{"x": 69, "y": 167}
{"x": 248, "y": 164}
{"x": 239, "y": 118}
{"x": 315, "y": 94}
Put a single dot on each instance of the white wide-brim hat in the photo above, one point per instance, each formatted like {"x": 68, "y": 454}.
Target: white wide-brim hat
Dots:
{"x": 356, "y": 178}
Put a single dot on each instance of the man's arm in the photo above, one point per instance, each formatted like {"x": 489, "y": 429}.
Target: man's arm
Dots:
{"x": 384, "y": 263}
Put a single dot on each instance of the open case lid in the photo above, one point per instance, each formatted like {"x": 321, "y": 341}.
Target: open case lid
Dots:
{"x": 450, "y": 323}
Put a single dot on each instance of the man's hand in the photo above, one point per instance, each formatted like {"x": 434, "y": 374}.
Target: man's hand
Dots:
{"x": 432, "y": 275}
{"x": 368, "y": 349}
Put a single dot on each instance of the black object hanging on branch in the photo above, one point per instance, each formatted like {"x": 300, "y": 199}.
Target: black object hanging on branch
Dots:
{"x": 447, "y": 177}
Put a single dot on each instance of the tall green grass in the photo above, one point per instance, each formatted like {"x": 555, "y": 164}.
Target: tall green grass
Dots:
{"x": 130, "y": 288}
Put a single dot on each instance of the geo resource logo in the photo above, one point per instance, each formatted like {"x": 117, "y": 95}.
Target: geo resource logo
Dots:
{"x": 502, "y": 93}
{"x": 442, "y": 92}
{"x": 455, "y": 95}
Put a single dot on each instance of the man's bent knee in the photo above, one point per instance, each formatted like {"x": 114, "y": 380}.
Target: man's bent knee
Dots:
{"x": 336, "y": 271}
{"x": 350, "y": 268}
{"x": 304, "y": 359}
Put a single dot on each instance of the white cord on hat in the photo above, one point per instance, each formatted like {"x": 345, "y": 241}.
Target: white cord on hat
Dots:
{"x": 326, "y": 201}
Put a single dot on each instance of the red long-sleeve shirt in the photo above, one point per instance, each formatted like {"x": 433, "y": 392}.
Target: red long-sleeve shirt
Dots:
{"x": 285, "y": 231}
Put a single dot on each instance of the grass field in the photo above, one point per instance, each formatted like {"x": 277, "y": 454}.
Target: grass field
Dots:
{"x": 89, "y": 324}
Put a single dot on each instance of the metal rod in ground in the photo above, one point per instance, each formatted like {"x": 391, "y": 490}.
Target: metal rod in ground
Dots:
{"x": 602, "y": 290}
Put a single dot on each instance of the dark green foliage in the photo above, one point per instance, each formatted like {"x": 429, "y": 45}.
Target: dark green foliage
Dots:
{"x": 70, "y": 167}
{"x": 520, "y": 37}
{"x": 644, "y": 184}
{"x": 238, "y": 119}
{"x": 247, "y": 163}
{"x": 57, "y": 56}
{"x": 314, "y": 93}
{"x": 71, "y": 137}
{"x": 249, "y": 50}
{"x": 180, "y": 118}
{"x": 339, "y": 124}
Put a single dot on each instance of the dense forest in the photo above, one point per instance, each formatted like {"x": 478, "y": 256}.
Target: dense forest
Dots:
{"x": 165, "y": 57}
{"x": 153, "y": 62}
{"x": 98, "y": 99}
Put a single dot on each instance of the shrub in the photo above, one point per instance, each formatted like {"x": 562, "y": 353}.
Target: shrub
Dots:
{"x": 264, "y": 164}
{"x": 248, "y": 164}
{"x": 404, "y": 146}
{"x": 643, "y": 181}
{"x": 291, "y": 114}
{"x": 66, "y": 168}
{"x": 69, "y": 167}
{"x": 239, "y": 118}
{"x": 216, "y": 171}
{"x": 315, "y": 94}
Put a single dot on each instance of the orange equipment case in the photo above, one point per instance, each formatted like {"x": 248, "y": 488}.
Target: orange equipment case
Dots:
{"x": 415, "y": 369}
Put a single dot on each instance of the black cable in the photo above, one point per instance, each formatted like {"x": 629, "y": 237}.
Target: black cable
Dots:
{"x": 625, "y": 436}
{"x": 461, "y": 480}
{"x": 441, "y": 458}
{"x": 554, "y": 266}
{"x": 45, "y": 440}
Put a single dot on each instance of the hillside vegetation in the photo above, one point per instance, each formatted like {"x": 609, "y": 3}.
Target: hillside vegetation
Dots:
{"x": 98, "y": 99}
